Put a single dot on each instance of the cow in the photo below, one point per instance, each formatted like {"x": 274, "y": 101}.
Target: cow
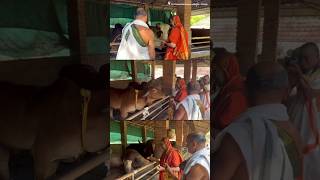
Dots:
{"x": 134, "y": 97}
{"x": 48, "y": 122}
{"x": 145, "y": 149}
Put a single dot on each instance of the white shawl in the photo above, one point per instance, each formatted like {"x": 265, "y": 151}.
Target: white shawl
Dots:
{"x": 258, "y": 139}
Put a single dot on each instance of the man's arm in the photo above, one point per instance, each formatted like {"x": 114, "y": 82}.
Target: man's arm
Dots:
{"x": 179, "y": 114}
{"x": 197, "y": 172}
{"x": 151, "y": 46}
{"x": 227, "y": 160}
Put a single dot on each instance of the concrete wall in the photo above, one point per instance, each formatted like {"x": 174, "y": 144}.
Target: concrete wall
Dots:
{"x": 296, "y": 27}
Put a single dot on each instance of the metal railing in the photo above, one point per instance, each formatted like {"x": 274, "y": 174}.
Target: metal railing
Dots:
{"x": 153, "y": 111}
{"x": 138, "y": 171}
{"x": 201, "y": 44}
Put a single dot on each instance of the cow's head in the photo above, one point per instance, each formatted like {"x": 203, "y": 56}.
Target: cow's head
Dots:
{"x": 153, "y": 94}
{"x": 127, "y": 166}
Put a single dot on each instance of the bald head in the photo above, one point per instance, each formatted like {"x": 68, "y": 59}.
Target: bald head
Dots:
{"x": 193, "y": 87}
{"x": 267, "y": 80}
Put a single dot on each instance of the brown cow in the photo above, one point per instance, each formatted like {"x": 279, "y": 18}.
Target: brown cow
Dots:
{"x": 125, "y": 99}
{"x": 47, "y": 121}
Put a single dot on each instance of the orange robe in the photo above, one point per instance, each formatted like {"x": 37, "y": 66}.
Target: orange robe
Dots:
{"x": 231, "y": 101}
{"x": 183, "y": 93}
{"x": 171, "y": 157}
{"x": 178, "y": 36}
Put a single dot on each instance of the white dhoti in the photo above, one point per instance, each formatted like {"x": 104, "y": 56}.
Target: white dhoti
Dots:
{"x": 262, "y": 148}
{"x": 191, "y": 107}
{"x": 299, "y": 115}
{"x": 132, "y": 46}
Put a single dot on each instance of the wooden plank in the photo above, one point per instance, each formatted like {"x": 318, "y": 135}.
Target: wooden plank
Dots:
{"x": 124, "y": 131}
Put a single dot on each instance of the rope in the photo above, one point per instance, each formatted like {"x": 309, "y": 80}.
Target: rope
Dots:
{"x": 86, "y": 96}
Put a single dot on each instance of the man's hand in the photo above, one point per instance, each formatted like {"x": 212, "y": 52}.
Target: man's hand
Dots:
{"x": 160, "y": 168}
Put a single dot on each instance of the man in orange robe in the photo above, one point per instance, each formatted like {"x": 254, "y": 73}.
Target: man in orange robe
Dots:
{"x": 178, "y": 46}
{"x": 230, "y": 101}
{"x": 169, "y": 162}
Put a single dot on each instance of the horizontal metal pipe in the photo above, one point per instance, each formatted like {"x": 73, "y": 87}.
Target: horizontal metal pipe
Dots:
{"x": 200, "y": 37}
{"x": 146, "y": 173}
{"x": 158, "y": 114}
{"x": 157, "y": 172}
{"x": 136, "y": 171}
{"x": 141, "y": 111}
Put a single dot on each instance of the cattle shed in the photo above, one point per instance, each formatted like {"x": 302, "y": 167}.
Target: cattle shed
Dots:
{"x": 38, "y": 38}
{"x": 163, "y": 73}
{"x": 264, "y": 29}
{"x": 147, "y": 130}
{"x": 160, "y": 11}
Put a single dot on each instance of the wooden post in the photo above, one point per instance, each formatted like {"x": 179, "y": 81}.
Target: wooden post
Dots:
{"x": 124, "y": 131}
{"x": 270, "y": 30}
{"x": 247, "y": 34}
{"x": 77, "y": 30}
{"x": 153, "y": 66}
{"x": 179, "y": 132}
{"x": 169, "y": 71}
{"x": 144, "y": 133}
{"x": 160, "y": 130}
{"x": 184, "y": 12}
{"x": 134, "y": 71}
{"x": 187, "y": 70}
{"x": 194, "y": 70}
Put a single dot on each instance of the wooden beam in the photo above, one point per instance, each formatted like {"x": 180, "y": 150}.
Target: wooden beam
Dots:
{"x": 187, "y": 71}
{"x": 144, "y": 133}
{"x": 134, "y": 71}
{"x": 194, "y": 70}
{"x": 270, "y": 30}
{"x": 124, "y": 132}
{"x": 77, "y": 30}
{"x": 169, "y": 71}
{"x": 247, "y": 34}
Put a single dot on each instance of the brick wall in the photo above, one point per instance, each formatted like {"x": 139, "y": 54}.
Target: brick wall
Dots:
{"x": 293, "y": 31}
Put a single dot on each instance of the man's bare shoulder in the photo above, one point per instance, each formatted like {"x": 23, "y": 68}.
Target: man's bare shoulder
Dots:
{"x": 198, "y": 172}
{"x": 228, "y": 160}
